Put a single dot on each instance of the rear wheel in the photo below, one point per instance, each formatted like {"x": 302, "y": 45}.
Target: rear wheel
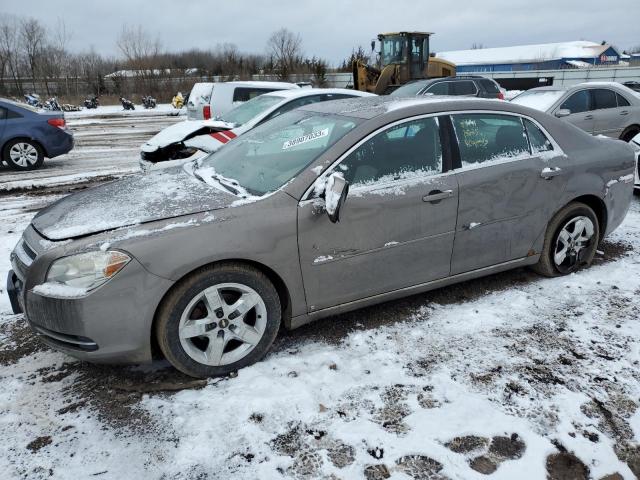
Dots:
{"x": 219, "y": 320}
{"x": 23, "y": 154}
{"x": 570, "y": 242}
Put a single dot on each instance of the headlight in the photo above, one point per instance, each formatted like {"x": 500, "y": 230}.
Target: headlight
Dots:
{"x": 87, "y": 270}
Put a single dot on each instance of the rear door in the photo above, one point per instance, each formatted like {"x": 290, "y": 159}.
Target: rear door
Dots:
{"x": 508, "y": 190}
{"x": 610, "y": 117}
{"x": 199, "y": 97}
{"x": 396, "y": 228}
{"x": 579, "y": 104}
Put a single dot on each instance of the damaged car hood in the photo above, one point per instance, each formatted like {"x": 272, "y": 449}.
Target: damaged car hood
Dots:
{"x": 130, "y": 201}
{"x": 182, "y": 131}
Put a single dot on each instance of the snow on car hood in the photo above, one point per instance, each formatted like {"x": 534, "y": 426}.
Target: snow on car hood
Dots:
{"x": 180, "y": 131}
{"x": 130, "y": 201}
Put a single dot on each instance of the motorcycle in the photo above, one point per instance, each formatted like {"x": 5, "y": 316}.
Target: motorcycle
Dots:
{"x": 52, "y": 104}
{"x": 91, "y": 102}
{"x": 178, "y": 101}
{"x": 33, "y": 99}
{"x": 127, "y": 104}
{"x": 149, "y": 102}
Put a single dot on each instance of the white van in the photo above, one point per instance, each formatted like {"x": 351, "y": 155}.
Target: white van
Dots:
{"x": 208, "y": 100}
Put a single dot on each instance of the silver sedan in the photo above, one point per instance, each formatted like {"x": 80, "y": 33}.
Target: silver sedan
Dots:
{"x": 599, "y": 108}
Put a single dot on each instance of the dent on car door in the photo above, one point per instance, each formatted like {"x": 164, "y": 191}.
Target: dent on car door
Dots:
{"x": 396, "y": 228}
{"x": 579, "y": 104}
{"x": 510, "y": 182}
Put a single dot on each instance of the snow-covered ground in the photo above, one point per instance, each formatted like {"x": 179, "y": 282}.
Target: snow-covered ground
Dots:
{"x": 513, "y": 376}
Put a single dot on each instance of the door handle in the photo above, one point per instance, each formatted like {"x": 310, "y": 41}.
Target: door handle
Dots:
{"x": 550, "y": 172}
{"x": 624, "y": 112}
{"x": 437, "y": 195}
{"x": 588, "y": 117}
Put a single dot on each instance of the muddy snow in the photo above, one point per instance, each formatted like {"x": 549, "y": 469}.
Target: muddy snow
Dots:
{"x": 512, "y": 376}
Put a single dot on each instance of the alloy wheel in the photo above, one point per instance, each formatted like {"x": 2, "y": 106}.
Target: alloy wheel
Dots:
{"x": 23, "y": 154}
{"x": 222, "y": 324}
{"x": 573, "y": 242}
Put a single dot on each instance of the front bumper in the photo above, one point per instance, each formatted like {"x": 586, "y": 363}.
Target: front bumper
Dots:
{"x": 111, "y": 324}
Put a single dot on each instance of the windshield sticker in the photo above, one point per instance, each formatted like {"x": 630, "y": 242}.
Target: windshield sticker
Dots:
{"x": 305, "y": 138}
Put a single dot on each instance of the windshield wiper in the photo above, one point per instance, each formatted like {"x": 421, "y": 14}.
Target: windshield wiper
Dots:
{"x": 217, "y": 179}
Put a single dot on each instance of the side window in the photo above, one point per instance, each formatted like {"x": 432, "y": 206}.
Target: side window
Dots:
{"x": 441, "y": 88}
{"x": 483, "y": 137}
{"x": 603, "y": 98}
{"x": 298, "y": 102}
{"x": 244, "y": 94}
{"x": 538, "y": 140}
{"x": 489, "y": 86}
{"x": 578, "y": 102}
{"x": 466, "y": 87}
{"x": 11, "y": 114}
{"x": 622, "y": 102}
{"x": 406, "y": 150}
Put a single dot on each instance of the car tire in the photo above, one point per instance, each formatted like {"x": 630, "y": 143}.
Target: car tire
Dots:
{"x": 570, "y": 242}
{"x": 207, "y": 325}
{"x": 629, "y": 133}
{"x": 23, "y": 154}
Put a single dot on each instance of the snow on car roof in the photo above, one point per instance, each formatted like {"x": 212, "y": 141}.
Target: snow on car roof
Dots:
{"x": 255, "y": 83}
{"x": 371, "y": 107}
{"x": 305, "y": 92}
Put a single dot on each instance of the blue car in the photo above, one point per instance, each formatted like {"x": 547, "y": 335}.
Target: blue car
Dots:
{"x": 28, "y": 135}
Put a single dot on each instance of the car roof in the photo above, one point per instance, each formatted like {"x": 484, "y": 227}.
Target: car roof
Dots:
{"x": 371, "y": 107}
{"x": 305, "y": 92}
{"x": 264, "y": 84}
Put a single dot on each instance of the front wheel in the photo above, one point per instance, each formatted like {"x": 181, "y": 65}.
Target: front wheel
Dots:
{"x": 219, "y": 320}
{"x": 570, "y": 242}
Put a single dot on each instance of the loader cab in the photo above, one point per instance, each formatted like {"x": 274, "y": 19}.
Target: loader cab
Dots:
{"x": 408, "y": 50}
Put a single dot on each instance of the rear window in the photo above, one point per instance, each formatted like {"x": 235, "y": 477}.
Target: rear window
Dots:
{"x": 248, "y": 110}
{"x": 466, "y": 87}
{"x": 441, "y": 88}
{"x": 244, "y": 94}
{"x": 489, "y": 86}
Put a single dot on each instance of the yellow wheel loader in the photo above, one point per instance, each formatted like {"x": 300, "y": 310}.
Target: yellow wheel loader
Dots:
{"x": 403, "y": 56}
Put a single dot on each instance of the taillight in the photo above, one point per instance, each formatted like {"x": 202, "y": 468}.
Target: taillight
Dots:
{"x": 500, "y": 96}
{"x": 57, "y": 122}
{"x": 206, "y": 112}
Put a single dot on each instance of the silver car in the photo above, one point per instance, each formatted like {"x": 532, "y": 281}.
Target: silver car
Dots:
{"x": 599, "y": 108}
{"x": 325, "y": 209}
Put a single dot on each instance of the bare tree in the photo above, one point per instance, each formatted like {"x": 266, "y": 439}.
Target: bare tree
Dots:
{"x": 33, "y": 36}
{"x": 9, "y": 50}
{"x": 477, "y": 46}
{"x": 142, "y": 53}
{"x": 286, "y": 49}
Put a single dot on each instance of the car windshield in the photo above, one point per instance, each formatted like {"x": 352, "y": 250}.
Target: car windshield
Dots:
{"x": 539, "y": 99}
{"x": 250, "y": 109}
{"x": 273, "y": 153}
{"x": 408, "y": 90}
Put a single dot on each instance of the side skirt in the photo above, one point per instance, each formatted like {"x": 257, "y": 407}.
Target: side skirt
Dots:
{"x": 300, "y": 320}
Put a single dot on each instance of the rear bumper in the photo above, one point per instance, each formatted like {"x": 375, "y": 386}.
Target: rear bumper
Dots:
{"x": 60, "y": 144}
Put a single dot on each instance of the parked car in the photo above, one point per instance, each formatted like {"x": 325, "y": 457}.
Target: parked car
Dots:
{"x": 208, "y": 100}
{"x": 468, "y": 86}
{"x": 325, "y": 209}
{"x": 636, "y": 144}
{"x": 183, "y": 139}
{"x": 28, "y": 135}
{"x": 633, "y": 85}
{"x": 600, "y": 108}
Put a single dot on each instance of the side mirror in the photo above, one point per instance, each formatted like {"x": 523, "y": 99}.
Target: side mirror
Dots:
{"x": 335, "y": 194}
{"x": 563, "y": 112}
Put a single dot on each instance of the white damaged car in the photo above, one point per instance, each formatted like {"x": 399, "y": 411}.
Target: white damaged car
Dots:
{"x": 186, "y": 139}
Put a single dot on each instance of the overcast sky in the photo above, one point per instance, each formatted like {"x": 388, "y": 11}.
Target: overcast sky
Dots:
{"x": 330, "y": 28}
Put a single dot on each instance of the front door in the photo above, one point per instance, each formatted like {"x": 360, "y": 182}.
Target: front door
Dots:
{"x": 396, "y": 228}
{"x": 508, "y": 189}
{"x": 579, "y": 104}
